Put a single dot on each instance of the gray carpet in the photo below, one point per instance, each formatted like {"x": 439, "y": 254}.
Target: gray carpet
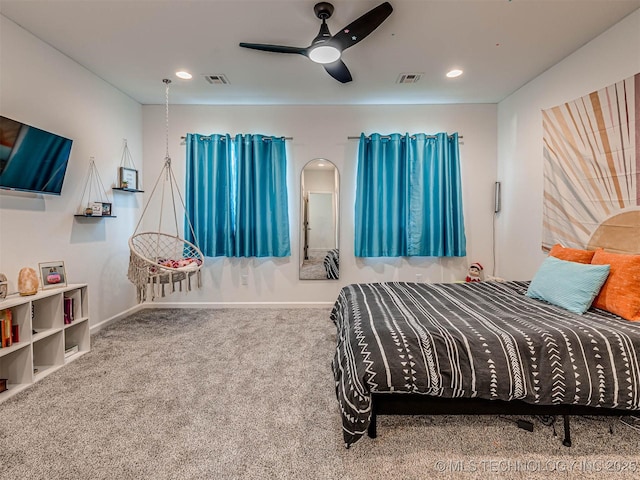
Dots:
{"x": 313, "y": 268}
{"x": 199, "y": 394}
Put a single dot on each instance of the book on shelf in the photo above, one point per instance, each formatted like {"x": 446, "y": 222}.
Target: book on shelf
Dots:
{"x": 5, "y": 326}
{"x": 4, "y": 384}
{"x": 68, "y": 310}
{"x": 71, "y": 351}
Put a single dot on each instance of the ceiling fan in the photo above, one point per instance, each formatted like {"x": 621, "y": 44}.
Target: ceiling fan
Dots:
{"x": 326, "y": 49}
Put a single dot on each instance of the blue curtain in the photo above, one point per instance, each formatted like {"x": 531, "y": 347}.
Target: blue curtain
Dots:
{"x": 262, "y": 210}
{"x": 409, "y": 197}
{"x": 236, "y": 195}
{"x": 209, "y": 193}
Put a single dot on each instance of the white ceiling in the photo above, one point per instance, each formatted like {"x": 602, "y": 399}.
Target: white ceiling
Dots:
{"x": 134, "y": 44}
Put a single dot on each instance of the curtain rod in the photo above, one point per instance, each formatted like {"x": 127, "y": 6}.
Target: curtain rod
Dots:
{"x": 386, "y": 137}
{"x": 209, "y": 136}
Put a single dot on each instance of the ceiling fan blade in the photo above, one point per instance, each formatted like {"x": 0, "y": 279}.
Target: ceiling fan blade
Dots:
{"x": 274, "y": 48}
{"x": 363, "y": 26}
{"x": 339, "y": 71}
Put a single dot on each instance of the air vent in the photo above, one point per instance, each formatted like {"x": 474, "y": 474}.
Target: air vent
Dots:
{"x": 217, "y": 79}
{"x": 409, "y": 78}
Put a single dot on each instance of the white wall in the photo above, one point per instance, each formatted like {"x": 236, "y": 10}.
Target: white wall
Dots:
{"x": 42, "y": 87}
{"x": 609, "y": 58}
{"x": 321, "y": 132}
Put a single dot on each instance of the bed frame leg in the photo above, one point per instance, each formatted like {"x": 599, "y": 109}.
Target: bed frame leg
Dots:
{"x": 567, "y": 431}
{"x": 371, "y": 431}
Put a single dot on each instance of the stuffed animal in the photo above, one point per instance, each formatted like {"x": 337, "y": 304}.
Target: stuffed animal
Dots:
{"x": 475, "y": 273}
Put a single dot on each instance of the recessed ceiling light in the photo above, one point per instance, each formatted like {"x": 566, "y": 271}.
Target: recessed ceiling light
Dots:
{"x": 454, "y": 73}
{"x": 184, "y": 75}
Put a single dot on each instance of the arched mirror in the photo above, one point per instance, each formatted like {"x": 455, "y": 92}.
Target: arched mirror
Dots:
{"x": 319, "y": 207}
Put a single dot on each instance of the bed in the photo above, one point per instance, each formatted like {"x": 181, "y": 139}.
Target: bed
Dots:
{"x": 482, "y": 348}
{"x": 332, "y": 264}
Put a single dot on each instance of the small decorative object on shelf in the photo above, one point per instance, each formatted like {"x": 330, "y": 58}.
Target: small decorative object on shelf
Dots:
{"x": 3, "y": 384}
{"x": 95, "y": 201}
{"x": 71, "y": 351}
{"x": 4, "y": 286}
{"x": 27, "y": 281}
{"x": 127, "y": 173}
{"x": 128, "y": 178}
{"x": 53, "y": 274}
{"x": 96, "y": 209}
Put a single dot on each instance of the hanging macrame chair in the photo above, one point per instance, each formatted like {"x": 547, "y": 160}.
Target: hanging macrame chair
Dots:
{"x": 160, "y": 261}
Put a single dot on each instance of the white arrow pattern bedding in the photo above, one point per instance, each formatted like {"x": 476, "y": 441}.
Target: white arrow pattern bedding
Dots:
{"x": 332, "y": 264}
{"x": 482, "y": 339}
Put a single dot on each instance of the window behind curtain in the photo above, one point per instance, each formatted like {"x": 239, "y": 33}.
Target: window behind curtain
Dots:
{"x": 409, "y": 196}
{"x": 236, "y": 195}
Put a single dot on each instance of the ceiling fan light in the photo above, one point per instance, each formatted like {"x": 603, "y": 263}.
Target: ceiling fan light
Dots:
{"x": 324, "y": 54}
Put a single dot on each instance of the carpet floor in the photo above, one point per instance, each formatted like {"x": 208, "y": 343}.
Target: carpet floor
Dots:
{"x": 208, "y": 394}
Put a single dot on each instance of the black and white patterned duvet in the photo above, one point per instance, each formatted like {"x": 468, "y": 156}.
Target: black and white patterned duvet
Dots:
{"x": 484, "y": 339}
{"x": 332, "y": 264}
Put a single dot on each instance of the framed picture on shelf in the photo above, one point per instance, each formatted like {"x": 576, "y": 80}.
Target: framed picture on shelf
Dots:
{"x": 52, "y": 274}
{"x": 96, "y": 209}
{"x": 128, "y": 178}
{"x": 106, "y": 209}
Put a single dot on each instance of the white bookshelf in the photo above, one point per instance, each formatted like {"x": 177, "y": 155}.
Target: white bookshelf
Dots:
{"x": 43, "y": 335}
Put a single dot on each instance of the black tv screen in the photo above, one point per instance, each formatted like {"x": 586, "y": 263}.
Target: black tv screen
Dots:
{"x": 31, "y": 159}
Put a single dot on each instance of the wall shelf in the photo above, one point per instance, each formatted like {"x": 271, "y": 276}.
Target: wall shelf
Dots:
{"x": 129, "y": 190}
{"x": 98, "y": 202}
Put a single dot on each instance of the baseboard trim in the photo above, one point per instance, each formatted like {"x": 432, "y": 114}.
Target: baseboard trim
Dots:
{"x": 218, "y": 305}
{"x": 115, "y": 318}
{"x": 213, "y": 305}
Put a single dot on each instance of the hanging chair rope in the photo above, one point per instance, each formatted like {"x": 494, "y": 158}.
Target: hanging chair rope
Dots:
{"x": 159, "y": 259}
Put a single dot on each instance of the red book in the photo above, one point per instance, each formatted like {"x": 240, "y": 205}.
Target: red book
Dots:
{"x": 68, "y": 310}
{"x": 15, "y": 333}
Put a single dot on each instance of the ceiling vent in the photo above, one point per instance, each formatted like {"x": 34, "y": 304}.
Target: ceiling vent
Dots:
{"x": 217, "y": 79}
{"x": 409, "y": 78}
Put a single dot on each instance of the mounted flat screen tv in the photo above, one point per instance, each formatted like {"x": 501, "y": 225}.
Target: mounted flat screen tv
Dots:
{"x": 32, "y": 160}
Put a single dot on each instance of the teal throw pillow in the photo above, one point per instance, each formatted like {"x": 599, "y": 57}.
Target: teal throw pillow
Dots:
{"x": 569, "y": 285}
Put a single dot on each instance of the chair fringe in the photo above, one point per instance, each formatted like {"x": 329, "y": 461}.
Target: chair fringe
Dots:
{"x": 147, "y": 252}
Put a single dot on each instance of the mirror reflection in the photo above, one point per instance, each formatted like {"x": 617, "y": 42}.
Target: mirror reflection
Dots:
{"x": 319, "y": 251}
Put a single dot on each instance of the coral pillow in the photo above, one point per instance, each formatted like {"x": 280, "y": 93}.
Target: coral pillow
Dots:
{"x": 571, "y": 254}
{"x": 620, "y": 294}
